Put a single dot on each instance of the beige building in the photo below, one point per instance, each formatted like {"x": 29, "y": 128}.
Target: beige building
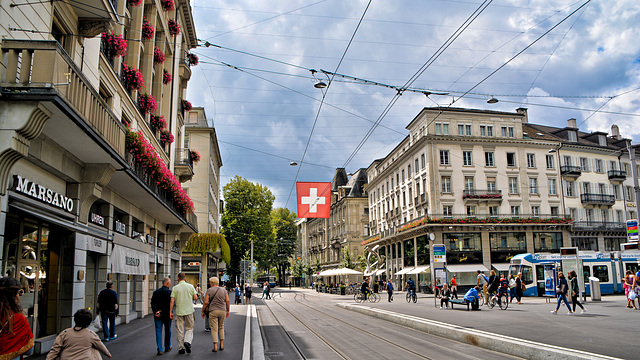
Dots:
{"x": 87, "y": 185}
{"x": 204, "y": 187}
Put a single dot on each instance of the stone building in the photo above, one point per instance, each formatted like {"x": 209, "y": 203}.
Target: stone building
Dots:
{"x": 87, "y": 185}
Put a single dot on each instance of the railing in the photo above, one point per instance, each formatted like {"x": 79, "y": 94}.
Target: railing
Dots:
{"x": 597, "y": 199}
{"x": 570, "y": 170}
{"x": 482, "y": 194}
{"x": 57, "y": 73}
{"x": 183, "y": 157}
{"x": 599, "y": 225}
{"x": 617, "y": 174}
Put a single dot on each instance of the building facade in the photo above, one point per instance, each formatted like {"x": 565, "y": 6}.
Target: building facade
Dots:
{"x": 91, "y": 103}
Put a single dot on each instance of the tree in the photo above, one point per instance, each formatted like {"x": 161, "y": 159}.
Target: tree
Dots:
{"x": 246, "y": 217}
{"x": 285, "y": 233}
{"x": 347, "y": 259}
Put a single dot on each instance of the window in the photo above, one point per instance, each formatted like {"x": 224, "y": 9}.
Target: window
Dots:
{"x": 613, "y": 244}
{"x": 444, "y": 157}
{"x": 483, "y": 130}
{"x": 511, "y": 133}
{"x": 513, "y": 185}
{"x": 504, "y": 131}
{"x": 555, "y": 211}
{"x": 468, "y": 183}
{"x": 616, "y": 192}
{"x": 567, "y": 160}
{"x": 550, "y": 162}
{"x": 490, "y": 130}
{"x": 416, "y": 166}
{"x": 570, "y": 188}
{"x": 552, "y": 187}
{"x": 602, "y": 140}
{"x": 491, "y": 184}
{"x": 598, "y": 163}
{"x": 417, "y": 188}
{"x": 572, "y": 136}
{"x": 511, "y": 159}
{"x": 547, "y": 241}
{"x": 584, "y": 164}
{"x": 488, "y": 159}
{"x": 628, "y": 193}
{"x": 438, "y": 129}
{"x": 531, "y": 160}
{"x": 533, "y": 185}
{"x": 535, "y": 211}
{"x": 613, "y": 165}
{"x": 585, "y": 243}
{"x": 403, "y": 178}
{"x": 493, "y": 210}
{"x": 391, "y": 182}
{"x": 602, "y": 188}
{"x": 397, "y": 179}
{"x": 446, "y": 184}
{"x": 467, "y": 158}
{"x": 422, "y": 160}
{"x": 508, "y": 241}
{"x": 447, "y": 210}
{"x": 471, "y": 210}
{"x": 586, "y": 188}
{"x": 404, "y": 199}
{"x": 461, "y": 130}
{"x": 468, "y": 130}
{"x": 515, "y": 210}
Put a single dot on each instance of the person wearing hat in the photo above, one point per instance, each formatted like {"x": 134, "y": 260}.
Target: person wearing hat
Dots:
{"x": 454, "y": 287}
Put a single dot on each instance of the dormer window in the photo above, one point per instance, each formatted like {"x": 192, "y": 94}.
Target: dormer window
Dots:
{"x": 573, "y": 136}
{"x": 602, "y": 140}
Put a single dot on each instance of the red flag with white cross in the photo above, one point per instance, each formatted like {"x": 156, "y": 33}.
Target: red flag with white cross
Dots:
{"x": 314, "y": 199}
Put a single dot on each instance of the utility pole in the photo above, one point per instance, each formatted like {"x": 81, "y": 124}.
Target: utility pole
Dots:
{"x": 251, "y": 266}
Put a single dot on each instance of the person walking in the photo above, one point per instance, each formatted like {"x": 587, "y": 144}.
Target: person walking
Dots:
{"x": 629, "y": 280}
{"x": 268, "y": 286}
{"x": 238, "y": 299}
{"x": 519, "y": 288}
{"x": 78, "y": 342}
{"x": 482, "y": 281}
{"x": 512, "y": 288}
{"x": 160, "y": 303}
{"x": 199, "y": 292}
{"x": 247, "y": 294}
{"x": 454, "y": 287}
{"x": 389, "y": 291}
{"x": 107, "y": 308}
{"x": 182, "y": 296}
{"x": 561, "y": 291}
{"x": 494, "y": 283}
{"x": 446, "y": 294}
{"x": 575, "y": 292}
{"x": 217, "y": 301}
{"x": 16, "y": 337}
{"x": 264, "y": 290}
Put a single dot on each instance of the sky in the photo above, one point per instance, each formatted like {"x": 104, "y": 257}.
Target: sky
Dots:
{"x": 559, "y": 59}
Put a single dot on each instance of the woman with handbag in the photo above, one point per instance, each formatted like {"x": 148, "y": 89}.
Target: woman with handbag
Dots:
{"x": 217, "y": 303}
{"x": 519, "y": 288}
{"x": 561, "y": 291}
{"x": 629, "y": 279}
{"x": 16, "y": 337}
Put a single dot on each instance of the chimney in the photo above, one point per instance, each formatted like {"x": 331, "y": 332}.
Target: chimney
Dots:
{"x": 572, "y": 123}
{"x": 523, "y": 111}
{"x": 615, "y": 132}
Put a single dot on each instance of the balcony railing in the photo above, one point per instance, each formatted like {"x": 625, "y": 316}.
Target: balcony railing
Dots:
{"x": 617, "y": 174}
{"x": 56, "y": 73}
{"x": 570, "y": 170}
{"x": 184, "y": 164}
{"x": 599, "y": 225}
{"x": 482, "y": 194}
{"x": 597, "y": 199}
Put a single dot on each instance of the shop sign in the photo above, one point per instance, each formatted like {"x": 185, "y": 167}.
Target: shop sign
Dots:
{"x": 96, "y": 245}
{"x": 161, "y": 244}
{"x": 160, "y": 258}
{"x": 128, "y": 261}
{"x": 120, "y": 227}
{"x": 96, "y": 219}
{"x": 175, "y": 249}
{"x": 632, "y": 230}
{"x": 150, "y": 239}
{"x": 41, "y": 193}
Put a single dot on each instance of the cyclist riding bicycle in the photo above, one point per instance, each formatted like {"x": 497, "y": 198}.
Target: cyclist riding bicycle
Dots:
{"x": 504, "y": 287}
{"x": 411, "y": 286}
{"x": 365, "y": 289}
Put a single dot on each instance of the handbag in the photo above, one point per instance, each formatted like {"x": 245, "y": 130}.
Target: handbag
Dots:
{"x": 632, "y": 295}
{"x": 524, "y": 287}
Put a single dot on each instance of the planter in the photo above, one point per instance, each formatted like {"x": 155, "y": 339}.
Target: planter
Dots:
{"x": 343, "y": 291}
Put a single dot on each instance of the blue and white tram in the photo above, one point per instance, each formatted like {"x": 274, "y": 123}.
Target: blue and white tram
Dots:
{"x": 609, "y": 268}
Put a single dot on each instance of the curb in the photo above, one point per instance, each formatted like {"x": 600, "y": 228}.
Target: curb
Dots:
{"x": 496, "y": 342}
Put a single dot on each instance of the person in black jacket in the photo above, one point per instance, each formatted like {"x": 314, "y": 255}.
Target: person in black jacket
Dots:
{"x": 160, "y": 302}
{"x": 561, "y": 291}
{"x": 108, "y": 309}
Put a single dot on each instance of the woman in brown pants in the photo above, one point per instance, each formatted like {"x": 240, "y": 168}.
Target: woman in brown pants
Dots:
{"x": 217, "y": 303}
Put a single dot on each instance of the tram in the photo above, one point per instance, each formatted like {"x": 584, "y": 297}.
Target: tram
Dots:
{"x": 271, "y": 279}
{"x": 608, "y": 267}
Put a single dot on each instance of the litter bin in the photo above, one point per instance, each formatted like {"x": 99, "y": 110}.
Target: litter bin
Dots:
{"x": 594, "y": 283}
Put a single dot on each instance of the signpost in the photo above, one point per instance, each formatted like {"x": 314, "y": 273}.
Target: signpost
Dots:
{"x": 439, "y": 273}
{"x": 632, "y": 230}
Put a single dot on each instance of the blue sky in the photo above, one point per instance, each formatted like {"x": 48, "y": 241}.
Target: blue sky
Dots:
{"x": 256, "y": 87}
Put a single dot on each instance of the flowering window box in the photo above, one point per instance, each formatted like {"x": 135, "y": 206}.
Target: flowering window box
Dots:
{"x": 186, "y": 105}
{"x": 192, "y": 59}
{"x": 166, "y": 137}
{"x": 147, "y": 30}
{"x": 158, "y": 123}
{"x": 113, "y": 45}
{"x": 166, "y": 77}
{"x": 147, "y": 103}
{"x": 158, "y": 56}
{"x": 195, "y": 155}
{"x": 174, "y": 27}
{"x": 167, "y": 5}
{"x": 134, "y": 2}
{"x": 132, "y": 78}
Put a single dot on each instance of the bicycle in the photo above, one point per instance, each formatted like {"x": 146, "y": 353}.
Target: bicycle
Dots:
{"x": 374, "y": 298}
{"x": 411, "y": 296}
{"x": 501, "y": 298}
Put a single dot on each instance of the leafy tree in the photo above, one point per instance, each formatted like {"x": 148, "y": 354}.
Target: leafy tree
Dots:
{"x": 246, "y": 217}
{"x": 285, "y": 233}
{"x": 347, "y": 259}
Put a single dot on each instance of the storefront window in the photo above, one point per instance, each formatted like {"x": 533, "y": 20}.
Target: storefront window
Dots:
{"x": 585, "y": 243}
{"x": 463, "y": 248}
{"x": 613, "y": 244}
{"x": 408, "y": 253}
{"x": 422, "y": 249}
{"x": 547, "y": 242}
{"x": 504, "y": 245}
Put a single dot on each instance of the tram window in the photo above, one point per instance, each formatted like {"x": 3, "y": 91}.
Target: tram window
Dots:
{"x": 601, "y": 272}
{"x": 527, "y": 274}
{"x": 633, "y": 267}
{"x": 586, "y": 271}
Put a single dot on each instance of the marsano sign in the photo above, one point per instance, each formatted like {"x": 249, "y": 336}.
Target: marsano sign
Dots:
{"x": 43, "y": 194}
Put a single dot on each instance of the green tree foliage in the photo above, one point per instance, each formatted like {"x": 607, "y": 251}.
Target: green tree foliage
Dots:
{"x": 246, "y": 217}
{"x": 347, "y": 259}
{"x": 203, "y": 242}
{"x": 285, "y": 232}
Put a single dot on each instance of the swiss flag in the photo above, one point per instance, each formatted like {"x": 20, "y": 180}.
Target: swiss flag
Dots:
{"x": 314, "y": 199}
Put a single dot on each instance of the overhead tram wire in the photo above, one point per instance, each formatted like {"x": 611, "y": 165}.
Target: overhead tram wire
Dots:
{"x": 270, "y": 154}
{"x": 420, "y": 71}
{"x": 324, "y": 95}
{"x": 605, "y": 103}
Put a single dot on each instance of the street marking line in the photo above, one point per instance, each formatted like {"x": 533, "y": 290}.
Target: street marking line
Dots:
{"x": 246, "y": 348}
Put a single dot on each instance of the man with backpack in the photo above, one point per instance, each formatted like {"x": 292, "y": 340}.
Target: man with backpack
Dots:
{"x": 483, "y": 281}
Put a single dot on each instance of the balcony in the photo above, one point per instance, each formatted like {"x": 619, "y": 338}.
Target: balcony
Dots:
{"x": 570, "y": 170}
{"x": 482, "y": 195}
{"x": 617, "y": 175}
{"x": 597, "y": 199}
{"x": 183, "y": 165}
{"x": 599, "y": 225}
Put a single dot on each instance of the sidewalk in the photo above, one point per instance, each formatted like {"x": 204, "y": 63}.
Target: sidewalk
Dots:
{"x": 136, "y": 340}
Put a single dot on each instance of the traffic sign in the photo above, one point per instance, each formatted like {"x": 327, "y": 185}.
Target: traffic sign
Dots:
{"x": 439, "y": 253}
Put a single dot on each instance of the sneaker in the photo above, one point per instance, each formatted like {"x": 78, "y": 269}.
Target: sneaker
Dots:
{"x": 181, "y": 351}
{"x": 106, "y": 340}
{"x": 440, "y": 307}
{"x": 207, "y": 330}
{"x": 583, "y": 311}
{"x": 447, "y": 307}
{"x": 115, "y": 336}
{"x": 187, "y": 346}
{"x": 159, "y": 353}
{"x": 554, "y": 312}
{"x": 570, "y": 313}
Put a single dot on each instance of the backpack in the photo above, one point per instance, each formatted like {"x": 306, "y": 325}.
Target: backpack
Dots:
{"x": 486, "y": 278}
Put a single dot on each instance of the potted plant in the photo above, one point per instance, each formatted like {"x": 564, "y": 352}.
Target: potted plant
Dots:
{"x": 147, "y": 103}
{"x": 166, "y": 136}
{"x": 134, "y": 2}
{"x": 186, "y": 105}
{"x": 167, "y": 5}
{"x": 166, "y": 77}
{"x": 147, "y": 30}
{"x": 132, "y": 78}
{"x": 195, "y": 155}
{"x": 113, "y": 45}
{"x": 343, "y": 289}
{"x": 192, "y": 59}
{"x": 174, "y": 27}
{"x": 158, "y": 123}
{"x": 158, "y": 56}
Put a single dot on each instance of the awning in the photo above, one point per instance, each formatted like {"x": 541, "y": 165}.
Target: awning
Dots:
{"x": 419, "y": 269}
{"x": 501, "y": 267}
{"x": 466, "y": 268}
{"x": 125, "y": 260}
{"x": 404, "y": 271}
